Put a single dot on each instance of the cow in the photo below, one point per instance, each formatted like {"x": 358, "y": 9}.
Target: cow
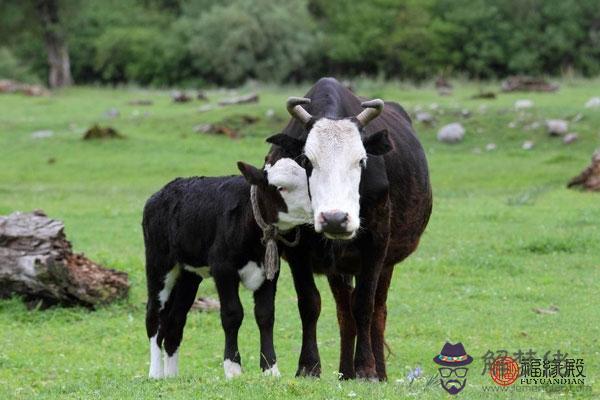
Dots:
{"x": 371, "y": 198}
{"x": 201, "y": 227}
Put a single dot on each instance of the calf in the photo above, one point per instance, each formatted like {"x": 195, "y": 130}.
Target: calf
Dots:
{"x": 195, "y": 228}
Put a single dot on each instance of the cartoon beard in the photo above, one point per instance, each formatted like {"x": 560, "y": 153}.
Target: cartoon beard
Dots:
{"x": 453, "y": 386}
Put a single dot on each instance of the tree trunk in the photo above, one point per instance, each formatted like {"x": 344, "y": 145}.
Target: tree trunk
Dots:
{"x": 55, "y": 43}
{"x": 37, "y": 262}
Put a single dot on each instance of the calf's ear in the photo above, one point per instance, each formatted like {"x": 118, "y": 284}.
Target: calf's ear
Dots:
{"x": 290, "y": 144}
{"x": 253, "y": 175}
{"x": 378, "y": 143}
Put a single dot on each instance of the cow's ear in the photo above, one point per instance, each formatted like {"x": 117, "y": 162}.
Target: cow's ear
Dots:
{"x": 290, "y": 144}
{"x": 253, "y": 175}
{"x": 378, "y": 143}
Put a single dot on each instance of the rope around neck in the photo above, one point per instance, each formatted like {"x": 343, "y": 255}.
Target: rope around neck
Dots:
{"x": 270, "y": 237}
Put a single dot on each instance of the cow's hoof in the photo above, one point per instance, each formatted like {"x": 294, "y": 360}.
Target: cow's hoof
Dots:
{"x": 272, "y": 371}
{"x": 368, "y": 374}
{"x": 311, "y": 371}
{"x": 346, "y": 375}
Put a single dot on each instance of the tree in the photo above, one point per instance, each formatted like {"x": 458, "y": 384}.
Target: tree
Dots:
{"x": 55, "y": 44}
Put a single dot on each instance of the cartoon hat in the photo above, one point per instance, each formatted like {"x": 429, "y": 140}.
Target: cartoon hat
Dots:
{"x": 453, "y": 355}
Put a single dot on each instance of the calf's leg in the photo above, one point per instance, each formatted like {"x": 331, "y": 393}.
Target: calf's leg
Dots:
{"x": 309, "y": 305}
{"x": 232, "y": 314}
{"x": 181, "y": 300}
{"x": 264, "y": 313}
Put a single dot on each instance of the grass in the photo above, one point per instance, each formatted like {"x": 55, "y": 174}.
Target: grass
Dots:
{"x": 505, "y": 237}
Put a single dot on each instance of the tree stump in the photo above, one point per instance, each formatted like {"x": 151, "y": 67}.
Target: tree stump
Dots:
{"x": 589, "y": 178}
{"x": 37, "y": 262}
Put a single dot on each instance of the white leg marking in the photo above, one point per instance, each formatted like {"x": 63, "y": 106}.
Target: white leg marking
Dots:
{"x": 273, "y": 371}
{"x": 203, "y": 272}
{"x": 172, "y": 364}
{"x": 156, "y": 367}
{"x": 232, "y": 369}
{"x": 170, "y": 280}
{"x": 252, "y": 276}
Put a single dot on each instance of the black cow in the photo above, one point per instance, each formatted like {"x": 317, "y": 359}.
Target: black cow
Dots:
{"x": 371, "y": 198}
{"x": 200, "y": 227}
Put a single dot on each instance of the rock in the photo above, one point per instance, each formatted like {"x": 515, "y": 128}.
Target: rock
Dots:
{"x": 249, "y": 98}
{"x": 99, "y": 132}
{"x": 570, "y": 138}
{"x": 112, "y": 113}
{"x": 203, "y": 128}
{"x": 594, "y": 102}
{"x": 451, "y": 133}
{"x": 270, "y": 113}
{"x": 201, "y": 95}
{"x": 465, "y": 113}
{"x": 527, "y": 84}
{"x": 589, "y": 179}
{"x": 42, "y": 134}
{"x": 578, "y": 117}
{"x": 180, "y": 97}
{"x": 425, "y": 117}
{"x": 490, "y": 147}
{"x": 37, "y": 262}
{"x": 523, "y": 104}
{"x": 206, "y": 107}
{"x": 528, "y": 145}
{"x": 557, "y": 127}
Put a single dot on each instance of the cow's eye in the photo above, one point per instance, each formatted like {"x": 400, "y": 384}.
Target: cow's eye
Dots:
{"x": 363, "y": 163}
{"x": 281, "y": 188}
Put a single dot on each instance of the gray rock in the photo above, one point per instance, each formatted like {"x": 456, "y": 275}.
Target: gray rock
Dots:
{"x": 425, "y": 117}
{"x": 594, "y": 102}
{"x": 42, "y": 134}
{"x": 523, "y": 104}
{"x": 203, "y": 128}
{"x": 490, "y": 147}
{"x": 528, "y": 145}
{"x": 451, "y": 133}
{"x": 206, "y": 107}
{"x": 112, "y": 113}
{"x": 557, "y": 127}
{"x": 570, "y": 138}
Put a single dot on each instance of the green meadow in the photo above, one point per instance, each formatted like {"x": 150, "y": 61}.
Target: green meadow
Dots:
{"x": 505, "y": 237}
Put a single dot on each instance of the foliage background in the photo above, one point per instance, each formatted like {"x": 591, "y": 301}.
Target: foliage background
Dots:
{"x": 172, "y": 42}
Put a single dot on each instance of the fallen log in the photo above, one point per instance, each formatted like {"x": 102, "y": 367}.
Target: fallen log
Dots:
{"x": 37, "y": 263}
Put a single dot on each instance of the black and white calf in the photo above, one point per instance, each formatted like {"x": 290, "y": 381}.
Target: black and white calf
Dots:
{"x": 200, "y": 227}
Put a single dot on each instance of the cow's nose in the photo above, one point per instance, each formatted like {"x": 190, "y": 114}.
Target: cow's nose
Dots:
{"x": 334, "y": 221}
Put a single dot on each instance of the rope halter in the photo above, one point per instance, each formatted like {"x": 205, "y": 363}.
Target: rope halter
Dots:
{"x": 270, "y": 237}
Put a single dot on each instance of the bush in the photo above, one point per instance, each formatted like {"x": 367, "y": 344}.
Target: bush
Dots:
{"x": 245, "y": 39}
{"x": 12, "y": 68}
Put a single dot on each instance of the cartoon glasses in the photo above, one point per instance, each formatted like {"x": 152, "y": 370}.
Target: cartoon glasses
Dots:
{"x": 459, "y": 372}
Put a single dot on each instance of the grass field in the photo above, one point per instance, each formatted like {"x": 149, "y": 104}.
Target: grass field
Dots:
{"x": 505, "y": 237}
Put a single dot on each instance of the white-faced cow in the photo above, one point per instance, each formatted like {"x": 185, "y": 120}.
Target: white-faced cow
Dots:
{"x": 371, "y": 198}
{"x": 200, "y": 227}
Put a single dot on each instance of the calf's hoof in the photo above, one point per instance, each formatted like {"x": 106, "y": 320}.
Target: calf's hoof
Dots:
{"x": 272, "y": 371}
{"x": 312, "y": 371}
{"x": 231, "y": 369}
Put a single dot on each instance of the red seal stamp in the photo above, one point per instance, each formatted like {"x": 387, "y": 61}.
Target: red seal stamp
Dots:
{"x": 504, "y": 371}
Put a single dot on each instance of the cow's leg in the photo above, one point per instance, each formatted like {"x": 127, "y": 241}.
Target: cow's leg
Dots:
{"x": 232, "y": 313}
{"x": 342, "y": 293}
{"x": 379, "y": 320}
{"x": 157, "y": 270}
{"x": 362, "y": 309}
{"x": 180, "y": 302}
{"x": 264, "y": 313}
{"x": 309, "y": 305}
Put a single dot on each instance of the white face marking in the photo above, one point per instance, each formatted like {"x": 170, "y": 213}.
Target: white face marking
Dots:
{"x": 252, "y": 276}
{"x": 273, "y": 371}
{"x": 335, "y": 149}
{"x": 172, "y": 364}
{"x": 156, "y": 366}
{"x": 291, "y": 178}
{"x": 170, "y": 280}
{"x": 203, "y": 272}
{"x": 232, "y": 369}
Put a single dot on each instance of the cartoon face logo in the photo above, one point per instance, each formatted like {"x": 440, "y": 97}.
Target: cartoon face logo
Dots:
{"x": 453, "y": 372}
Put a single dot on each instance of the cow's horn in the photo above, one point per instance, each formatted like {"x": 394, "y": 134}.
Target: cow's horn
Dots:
{"x": 296, "y": 110}
{"x": 372, "y": 109}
